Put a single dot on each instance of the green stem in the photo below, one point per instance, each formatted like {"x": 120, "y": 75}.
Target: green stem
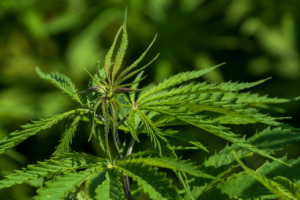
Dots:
{"x": 130, "y": 147}
{"x": 106, "y": 123}
{"x": 125, "y": 179}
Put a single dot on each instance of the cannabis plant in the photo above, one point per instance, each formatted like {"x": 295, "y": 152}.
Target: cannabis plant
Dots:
{"x": 124, "y": 108}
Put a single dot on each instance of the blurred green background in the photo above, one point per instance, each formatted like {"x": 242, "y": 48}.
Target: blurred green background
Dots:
{"x": 257, "y": 39}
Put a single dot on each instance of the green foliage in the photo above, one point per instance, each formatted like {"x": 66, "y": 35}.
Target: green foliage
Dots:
{"x": 246, "y": 185}
{"x": 270, "y": 185}
{"x": 288, "y": 188}
{"x": 67, "y": 136}
{"x": 16, "y": 137}
{"x": 169, "y": 163}
{"x": 174, "y": 101}
{"x": 62, "y": 82}
{"x": 56, "y": 165}
{"x": 62, "y": 185}
{"x": 154, "y": 183}
{"x": 110, "y": 188}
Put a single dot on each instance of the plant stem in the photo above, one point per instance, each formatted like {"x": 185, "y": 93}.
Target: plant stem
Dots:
{"x": 125, "y": 179}
{"x": 130, "y": 147}
{"x": 122, "y": 120}
{"x": 96, "y": 115}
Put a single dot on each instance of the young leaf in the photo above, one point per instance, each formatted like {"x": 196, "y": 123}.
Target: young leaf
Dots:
{"x": 99, "y": 76}
{"x": 107, "y": 62}
{"x": 128, "y": 69}
{"x": 136, "y": 71}
{"x": 122, "y": 50}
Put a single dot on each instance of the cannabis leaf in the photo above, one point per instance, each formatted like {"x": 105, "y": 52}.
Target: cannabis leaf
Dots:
{"x": 29, "y": 130}
{"x": 63, "y": 83}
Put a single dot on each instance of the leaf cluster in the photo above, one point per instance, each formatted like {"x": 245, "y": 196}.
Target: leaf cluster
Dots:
{"x": 178, "y": 100}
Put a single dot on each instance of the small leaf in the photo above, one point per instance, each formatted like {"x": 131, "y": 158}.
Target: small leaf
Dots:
{"x": 67, "y": 136}
{"x": 62, "y": 82}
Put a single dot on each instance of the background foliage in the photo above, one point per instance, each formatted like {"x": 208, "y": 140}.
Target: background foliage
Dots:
{"x": 257, "y": 39}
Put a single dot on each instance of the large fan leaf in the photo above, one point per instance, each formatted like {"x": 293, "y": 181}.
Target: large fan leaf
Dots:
{"x": 214, "y": 106}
